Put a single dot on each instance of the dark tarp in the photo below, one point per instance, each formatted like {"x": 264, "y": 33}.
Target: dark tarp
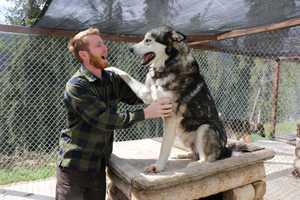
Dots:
{"x": 192, "y": 17}
{"x": 135, "y": 17}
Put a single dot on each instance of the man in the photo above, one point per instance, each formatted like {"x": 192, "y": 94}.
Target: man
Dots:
{"x": 90, "y": 98}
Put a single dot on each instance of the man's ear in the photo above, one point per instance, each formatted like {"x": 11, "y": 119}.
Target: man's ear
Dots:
{"x": 83, "y": 55}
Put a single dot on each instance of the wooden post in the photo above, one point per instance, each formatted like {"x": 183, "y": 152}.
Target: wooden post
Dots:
{"x": 275, "y": 89}
{"x": 298, "y": 130}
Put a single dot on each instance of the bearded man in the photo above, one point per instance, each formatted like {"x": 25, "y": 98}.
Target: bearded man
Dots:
{"x": 91, "y": 97}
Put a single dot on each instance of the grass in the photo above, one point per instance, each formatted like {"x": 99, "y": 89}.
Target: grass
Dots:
{"x": 19, "y": 174}
{"x": 283, "y": 128}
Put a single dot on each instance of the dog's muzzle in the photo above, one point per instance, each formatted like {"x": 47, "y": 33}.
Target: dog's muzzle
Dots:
{"x": 131, "y": 49}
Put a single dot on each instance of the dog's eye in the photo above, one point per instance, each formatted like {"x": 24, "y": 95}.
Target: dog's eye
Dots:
{"x": 148, "y": 40}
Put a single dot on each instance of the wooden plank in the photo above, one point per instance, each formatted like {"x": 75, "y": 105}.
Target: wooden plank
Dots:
{"x": 63, "y": 33}
{"x": 34, "y": 31}
{"x": 248, "y": 31}
{"x": 193, "y": 40}
{"x": 115, "y": 38}
{"x": 260, "y": 29}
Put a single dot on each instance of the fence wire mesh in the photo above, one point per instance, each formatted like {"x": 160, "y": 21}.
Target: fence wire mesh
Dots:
{"x": 34, "y": 70}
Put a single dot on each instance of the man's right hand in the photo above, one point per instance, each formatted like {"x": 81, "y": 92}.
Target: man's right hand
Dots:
{"x": 159, "y": 108}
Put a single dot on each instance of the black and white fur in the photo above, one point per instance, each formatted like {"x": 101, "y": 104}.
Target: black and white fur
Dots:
{"x": 174, "y": 73}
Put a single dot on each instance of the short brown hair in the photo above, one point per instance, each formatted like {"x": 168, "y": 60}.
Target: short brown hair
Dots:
{"x": 79, "y": 43}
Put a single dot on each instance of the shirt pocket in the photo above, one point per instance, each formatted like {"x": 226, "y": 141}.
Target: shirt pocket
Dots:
{"x": 63, "y": 141}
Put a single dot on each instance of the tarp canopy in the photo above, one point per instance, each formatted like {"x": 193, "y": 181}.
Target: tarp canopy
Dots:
{"x": 135, "y": 17}
{"x": 191, "y": 17}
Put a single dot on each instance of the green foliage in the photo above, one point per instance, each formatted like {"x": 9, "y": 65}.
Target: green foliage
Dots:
{"x": 242, "y": 85}
{"x": 228, "y": 77}
{"x": 283, "y": 128}
{"x": 31, "y": 100}
{"x": 25, "y": 12}
{"x": 18, "y": 174}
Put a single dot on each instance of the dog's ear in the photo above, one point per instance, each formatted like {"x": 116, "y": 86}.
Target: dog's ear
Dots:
{"x": 177, "y": 36}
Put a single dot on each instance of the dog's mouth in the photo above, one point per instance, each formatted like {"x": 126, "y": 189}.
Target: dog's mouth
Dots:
{"x": 148, "y": 57}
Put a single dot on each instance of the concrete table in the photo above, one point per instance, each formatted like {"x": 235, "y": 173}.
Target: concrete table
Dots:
{"x": 240, "y": 177}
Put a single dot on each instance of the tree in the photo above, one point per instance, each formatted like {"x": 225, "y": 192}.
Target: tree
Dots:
{"x": 25, "y": 12}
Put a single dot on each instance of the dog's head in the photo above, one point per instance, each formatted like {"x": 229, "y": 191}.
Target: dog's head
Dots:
{"x": 160, "y": 44}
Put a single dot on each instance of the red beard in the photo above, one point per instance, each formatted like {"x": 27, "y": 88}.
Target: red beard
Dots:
{"x": 98, "y": 61}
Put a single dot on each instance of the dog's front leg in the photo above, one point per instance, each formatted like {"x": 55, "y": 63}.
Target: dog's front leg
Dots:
{"x": 140, "y": 89}
{"x": 166, "y": 146}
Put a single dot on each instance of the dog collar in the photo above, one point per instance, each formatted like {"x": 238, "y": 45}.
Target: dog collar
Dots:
{"x": 187, "y": 98}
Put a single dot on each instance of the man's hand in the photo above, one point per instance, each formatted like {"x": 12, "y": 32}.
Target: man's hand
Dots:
{"x": 159, "y": 108}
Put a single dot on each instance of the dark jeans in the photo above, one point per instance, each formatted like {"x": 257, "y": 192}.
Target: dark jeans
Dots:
{"x": 76, "y": 185}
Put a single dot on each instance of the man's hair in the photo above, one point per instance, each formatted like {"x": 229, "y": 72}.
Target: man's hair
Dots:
{"x": 79, "y": 42}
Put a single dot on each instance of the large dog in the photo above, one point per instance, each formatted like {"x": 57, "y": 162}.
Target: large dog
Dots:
{"x": 174, "y": 73}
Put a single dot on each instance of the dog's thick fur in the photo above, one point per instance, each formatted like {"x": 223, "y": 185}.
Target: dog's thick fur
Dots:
{"x": 174, "y": 73}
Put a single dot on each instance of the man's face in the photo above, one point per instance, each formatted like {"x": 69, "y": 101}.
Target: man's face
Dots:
{"x": 97, "y": 51}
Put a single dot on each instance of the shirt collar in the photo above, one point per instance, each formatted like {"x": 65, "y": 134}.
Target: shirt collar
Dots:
{"x": 87, "y": 74}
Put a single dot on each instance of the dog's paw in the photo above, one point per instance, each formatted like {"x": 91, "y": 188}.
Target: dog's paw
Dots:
{"x": 121, "y": 73}
{"x": 195, "y": 163}
{"x": 153, "y": 168}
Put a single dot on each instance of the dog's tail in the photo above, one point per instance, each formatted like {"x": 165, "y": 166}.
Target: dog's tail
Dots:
{"x": 225, "y": 153}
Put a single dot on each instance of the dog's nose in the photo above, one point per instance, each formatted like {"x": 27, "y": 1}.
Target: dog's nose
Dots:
{"x": 131, "y": 49}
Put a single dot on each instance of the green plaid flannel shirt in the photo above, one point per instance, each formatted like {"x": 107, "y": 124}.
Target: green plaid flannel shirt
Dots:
{"x": 91, "y": 105}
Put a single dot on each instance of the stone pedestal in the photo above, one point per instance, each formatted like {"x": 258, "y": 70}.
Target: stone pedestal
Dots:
{"x": 235, "y": 177}
{"x": 296, "y": 171}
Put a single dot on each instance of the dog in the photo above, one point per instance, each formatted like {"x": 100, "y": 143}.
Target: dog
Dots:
{"x": 174, "y": 73}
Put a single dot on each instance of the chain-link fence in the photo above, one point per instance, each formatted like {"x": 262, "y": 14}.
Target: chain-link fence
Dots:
{"x": 34, "y": 70}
